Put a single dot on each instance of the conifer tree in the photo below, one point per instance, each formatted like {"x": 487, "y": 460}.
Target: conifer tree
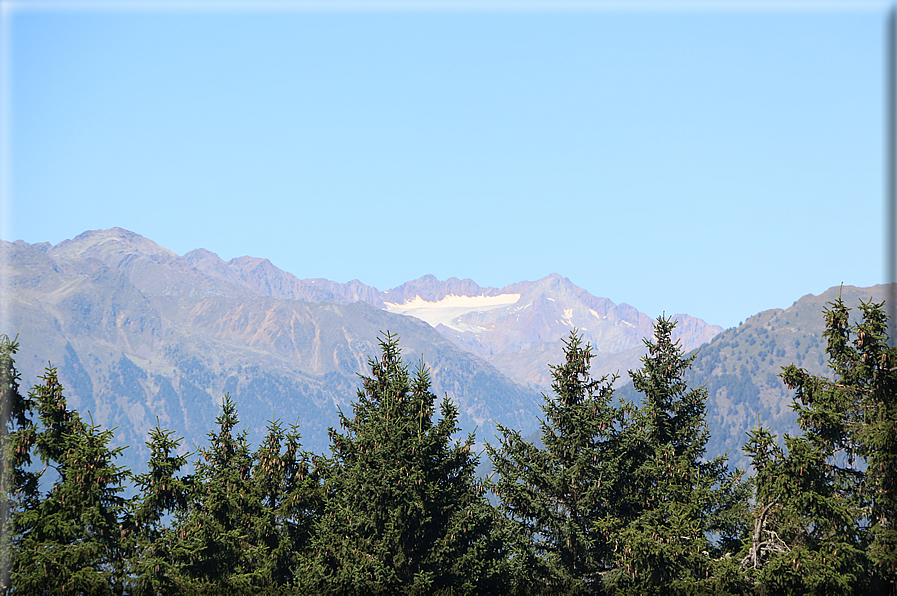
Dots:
{"x": 867, "y": 398}
{"x": 674, "y": 500}
{"x": 287, "y": 486}
{"x": 163, "y": 493}
{"x": 18, "y": 486}
{"x": 555, "y": 495}
{"x": 806, "y": 537}
{"x": 404, "y": 512}
{"x": 824, "y": 522}
{"x": 71, "y": 540}
{"x": 217, "y": 548}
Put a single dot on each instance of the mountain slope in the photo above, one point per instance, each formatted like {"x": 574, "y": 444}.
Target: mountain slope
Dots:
{"x": 520, "y": 328}
{"x": 740, "y": 367}
{"x": 139, "y": 332}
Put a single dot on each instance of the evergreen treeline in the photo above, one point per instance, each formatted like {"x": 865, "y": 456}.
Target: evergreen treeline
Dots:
{"x": 620, "y": 500}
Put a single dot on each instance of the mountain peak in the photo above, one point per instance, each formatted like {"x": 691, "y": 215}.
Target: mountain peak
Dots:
{"x": 96, "y": 237}
{"x": 209, "y": 263}
{"x": 247, "y": 261}
{"x": 198, "y": 254}
{"x": 111, "y": 246}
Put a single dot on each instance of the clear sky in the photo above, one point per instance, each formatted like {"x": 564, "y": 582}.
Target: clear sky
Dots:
{"x": 716, "y": 159}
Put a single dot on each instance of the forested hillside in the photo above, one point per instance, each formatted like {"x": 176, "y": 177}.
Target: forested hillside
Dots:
{"x": 621, "y": 497}
{"x": 740, "y": 367}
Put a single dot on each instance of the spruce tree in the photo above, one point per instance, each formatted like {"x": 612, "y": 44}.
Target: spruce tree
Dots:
{"x": 162, "y": 493}
{"x": 288, "y": 488}
{"x": 867, "y": 373}
{"x": 70, "y": 541}
{"x": 806, "y": 537}
{"x": 18, "y": 486}
{"x": 404, "y": 512}
{"x": 217, "y": 547}
{"x": 824, "y": 518}
{"x": 675, "y": 501}
{"x": 554, "y": 496}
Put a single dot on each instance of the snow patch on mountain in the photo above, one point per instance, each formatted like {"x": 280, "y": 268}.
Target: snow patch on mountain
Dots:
{"x": 451, "y": 307}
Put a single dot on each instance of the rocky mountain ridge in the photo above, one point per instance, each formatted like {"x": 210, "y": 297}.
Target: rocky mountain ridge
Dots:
{"x": 519, "y": 338}
{"x": 139, "y": 332}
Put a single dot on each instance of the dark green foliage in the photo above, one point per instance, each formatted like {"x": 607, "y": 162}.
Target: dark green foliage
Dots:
{"x": 619, "y": 500}
{"x": 17, "y": 485}
{"x": 217, "y": 538}
{"x": 404, "y": 512}
{"x": 825, "y": 522}
{"x": 286, "y": 484}
{"x": 162, "y": 493}
{"x": 806, "y": 539}
{"x": 674, "y": 500}
{"x": 71, "y": 540}
{"x": 554, "y": 496}
{"x": 243, "y": 520}
{"x": 867, "y": 398}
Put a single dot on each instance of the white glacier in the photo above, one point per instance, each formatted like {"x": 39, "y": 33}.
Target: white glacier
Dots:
{"x": 451, "y": 307}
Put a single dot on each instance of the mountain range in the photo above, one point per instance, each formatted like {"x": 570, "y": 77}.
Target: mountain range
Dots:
{"x": 138, "y": 332}
{"x": 518, "y": 328}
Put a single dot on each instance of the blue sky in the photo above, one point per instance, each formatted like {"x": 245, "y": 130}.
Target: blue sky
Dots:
{"x": 714, "y": 159}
